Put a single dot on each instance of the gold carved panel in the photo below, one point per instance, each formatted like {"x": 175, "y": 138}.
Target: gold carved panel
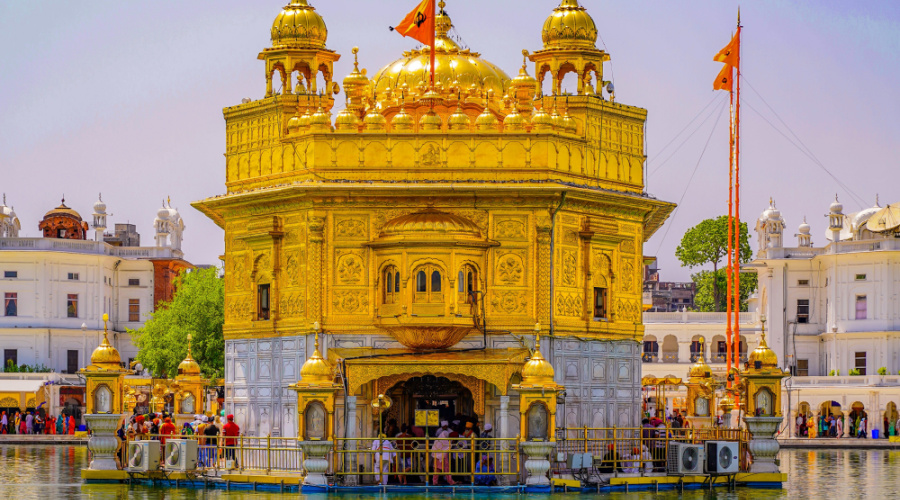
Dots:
{"x": 349, "y": 267}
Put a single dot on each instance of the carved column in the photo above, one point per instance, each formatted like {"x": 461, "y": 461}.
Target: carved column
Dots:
{"x": 268, "y": 83}
{"x": 316, "y": 268}
{"x": 504, "y": 434}
{"x": 544, "y": 304}
{"x": 350, "y": 430}
{"x": 285, "y": 83}
{"x": 315, "y": 461}
{"x": 763, "y": 445}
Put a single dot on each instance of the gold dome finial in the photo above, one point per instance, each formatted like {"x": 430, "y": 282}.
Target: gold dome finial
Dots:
{"x": 700, "y": 368}
{"x": 764, "y": 355}
{"x": 105, "y": 355}
{"x": 189, "y": 366}
{"x": 316, "y": 370}
{"x": 537, "y": 371}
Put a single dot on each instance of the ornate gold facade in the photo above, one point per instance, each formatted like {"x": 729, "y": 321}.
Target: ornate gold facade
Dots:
{"x": 427, "y": 215}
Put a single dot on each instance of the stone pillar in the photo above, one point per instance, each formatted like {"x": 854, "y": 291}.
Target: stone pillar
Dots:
{"x": 104, "y": 442}
{"x": 793, "y": 431}
{"x": 351, "y": 432}
{"x": 763, "y": 445}
{"x": 268, "y": 84}
{"x": 314, "y": 461}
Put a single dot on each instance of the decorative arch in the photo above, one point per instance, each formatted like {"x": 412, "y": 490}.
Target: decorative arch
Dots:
{"x": 475, "y": 385}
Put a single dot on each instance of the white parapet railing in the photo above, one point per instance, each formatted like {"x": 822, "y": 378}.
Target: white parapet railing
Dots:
{"x": 697, "y": 317}
{"x": 845, "y": 381}
{"x": 85, "y": 247}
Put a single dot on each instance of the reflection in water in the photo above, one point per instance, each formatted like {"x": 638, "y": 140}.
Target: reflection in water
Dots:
{"x": 55, "y": 472}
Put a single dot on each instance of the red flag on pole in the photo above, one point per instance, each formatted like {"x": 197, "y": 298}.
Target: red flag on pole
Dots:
{"x": 419, "y": 24}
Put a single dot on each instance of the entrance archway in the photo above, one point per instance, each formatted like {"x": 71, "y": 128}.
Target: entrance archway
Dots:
{"x": 855, "y": 418}
{"x": 451, "y": 396}
{"x": 891, "y": 415}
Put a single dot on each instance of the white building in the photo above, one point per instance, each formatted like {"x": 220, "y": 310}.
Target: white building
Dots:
{"x": 828, "y": 310}
{"x": 57, "y": 288}
{"x": 835, "y": 309}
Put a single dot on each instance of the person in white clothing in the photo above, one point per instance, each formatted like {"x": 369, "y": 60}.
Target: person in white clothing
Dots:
{"x": 382, "y": 459}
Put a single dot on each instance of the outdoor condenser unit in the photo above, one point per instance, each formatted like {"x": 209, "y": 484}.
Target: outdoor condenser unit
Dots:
{"x": 685, "y": 459}
{"x": 181, "y": 454}
{"x": 722, "y": 457}
{"x": 143, "y": 456}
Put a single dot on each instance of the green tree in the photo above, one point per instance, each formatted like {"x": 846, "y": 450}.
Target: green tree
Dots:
{"x": 198, "y": 309}
{"x": 704, "y": 297}
{"x": 707, "y": 243}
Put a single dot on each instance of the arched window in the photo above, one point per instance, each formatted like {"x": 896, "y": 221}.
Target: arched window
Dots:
{"x": 435, "y": 281}
{"x": 468, "y": 284}
{"x": 391, "y": 285}
{"x": 429, "y": 290}
{"x": 421, "y": 284}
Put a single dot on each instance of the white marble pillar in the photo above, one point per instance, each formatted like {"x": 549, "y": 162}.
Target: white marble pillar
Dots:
{"x": 504, "y": 417}
{"x": 351, "y": 431}
{"x": 793, "y": 429}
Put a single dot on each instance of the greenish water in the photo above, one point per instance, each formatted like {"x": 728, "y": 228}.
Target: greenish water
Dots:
{"x": 54, "y": 472}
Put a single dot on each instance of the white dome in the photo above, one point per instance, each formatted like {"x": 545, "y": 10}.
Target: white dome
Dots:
{"x": 836, "y": 206}
{"x": 99, "y": 206}
{"x": 162, "y": 214}
{"x": 859, "y": 219}
{"x": 804, "y": 227}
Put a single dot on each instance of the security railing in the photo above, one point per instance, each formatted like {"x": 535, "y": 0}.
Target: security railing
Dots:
{"x": 239, "y": 453}
{"x": 470, "y": 460}
{"x": 641, "y": 449}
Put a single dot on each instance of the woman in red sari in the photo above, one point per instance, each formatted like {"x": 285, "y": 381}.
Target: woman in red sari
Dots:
{"x": 71, "y": 424}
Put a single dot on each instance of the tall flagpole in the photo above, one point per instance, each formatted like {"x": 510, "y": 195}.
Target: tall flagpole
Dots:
{"x": 729, "y": 269}
{"x": 737, "y": 196}
{"x": 433, "y": 36}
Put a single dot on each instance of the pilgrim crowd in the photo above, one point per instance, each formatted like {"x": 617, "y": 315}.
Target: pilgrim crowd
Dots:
{"x": 36, "y": 422}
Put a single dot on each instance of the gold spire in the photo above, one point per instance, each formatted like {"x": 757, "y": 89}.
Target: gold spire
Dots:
{"x": 105, "y": 355}
{"x": 537, "y": 370}
{"x": 189, "y": 367}
{"x": 316, "y": 370}
{"x": 700, "y": 368}
{"x": 763, "y": 354}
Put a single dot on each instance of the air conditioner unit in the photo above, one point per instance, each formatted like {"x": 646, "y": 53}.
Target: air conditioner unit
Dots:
{"x": 722, "y": 457}
{"x": 143, "y": 456}
{"x": 685, "y": 458}
{"x": 578, "y": 461}
{"x": 181, "y": 454}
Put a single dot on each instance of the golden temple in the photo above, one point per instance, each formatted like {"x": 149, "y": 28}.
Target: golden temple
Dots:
{"x": 427, "y": 232}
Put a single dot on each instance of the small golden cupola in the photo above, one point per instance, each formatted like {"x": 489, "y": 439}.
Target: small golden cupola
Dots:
{"x": 357, "y": 87}
{"x": 570, "y": 46}
{"x": 105, "y": 356}
{"x": 298, "y": 45}
{"x": 700, "y": 368}
{"x": 763, "y": 355}
{"x": 537, "y": 371}
{"x": 189, "y": 367}
{"x": 569, "y": 27}
{"x": 299, "y": 25}
{"x": 316, "y": 370}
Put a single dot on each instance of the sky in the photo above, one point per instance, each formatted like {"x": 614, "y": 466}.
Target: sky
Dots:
{"x": 125, "y": 99}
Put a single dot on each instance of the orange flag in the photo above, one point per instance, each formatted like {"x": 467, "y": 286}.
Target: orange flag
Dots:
{"x": 419, "y": 23}
{"x": 724, "y": 79}
{"x": 731, "y": 53}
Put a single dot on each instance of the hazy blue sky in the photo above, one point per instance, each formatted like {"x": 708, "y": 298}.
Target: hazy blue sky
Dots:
{"x": 126, "y": 98}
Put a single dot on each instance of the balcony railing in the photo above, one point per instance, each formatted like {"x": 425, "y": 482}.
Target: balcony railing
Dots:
{"x": 84, "y": 247}
{"x": 697, "y": 317}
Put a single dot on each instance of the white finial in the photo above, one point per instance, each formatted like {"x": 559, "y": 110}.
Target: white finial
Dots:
{"x": 877, "y": 204}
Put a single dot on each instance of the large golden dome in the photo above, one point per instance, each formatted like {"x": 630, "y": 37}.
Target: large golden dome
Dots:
{"x": 430, "y": 221}
{"x": 569, "y": 27}
{"x": 299, "y": 26}
{"x": 457, "y": 70}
